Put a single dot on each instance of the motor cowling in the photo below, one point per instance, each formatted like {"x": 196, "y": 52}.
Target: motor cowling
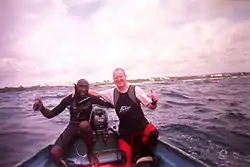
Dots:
{"x": 99, "y": 120}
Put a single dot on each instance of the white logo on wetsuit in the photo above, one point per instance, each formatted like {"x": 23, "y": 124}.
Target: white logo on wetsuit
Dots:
{"x": 124, "y": 109}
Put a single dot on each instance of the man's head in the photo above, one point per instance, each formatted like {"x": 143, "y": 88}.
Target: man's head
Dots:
{"x": 81, "y": 87}
{"x": 119, "y": 77}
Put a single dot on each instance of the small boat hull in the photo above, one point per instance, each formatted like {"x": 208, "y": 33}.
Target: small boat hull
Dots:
{"x": 109, "y": 155}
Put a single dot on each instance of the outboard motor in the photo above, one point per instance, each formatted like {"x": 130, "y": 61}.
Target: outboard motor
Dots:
{"x": 99, "y": 121}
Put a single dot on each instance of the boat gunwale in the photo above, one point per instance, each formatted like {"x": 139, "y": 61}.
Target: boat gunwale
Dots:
{"x": 182, "y": 153}
{"x": 28, "y": 158}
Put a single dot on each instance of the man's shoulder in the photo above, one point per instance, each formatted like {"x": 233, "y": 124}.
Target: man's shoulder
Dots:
{"x": 68, "y": 99}
{"x": 110, "y": 89}
{"x": 138, "y": 88}
{"x": 70, "y": 95}
{"x": 139, "y": 92}
{"x": 93, "y": 96}
{"x": 107, "y": 91}
{"x": 133, "y": 85}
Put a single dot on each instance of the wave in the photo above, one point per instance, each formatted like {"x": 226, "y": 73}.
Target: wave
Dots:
{"x": 56, "y": 96}
{"x": 185, "y": 103}
{"x": 165, "y": 105}
{"x": 216, "y": 121}
{"x": 175, "y": 94}
{"x": 235, "y": 114}
{"x": 179, "y": 128}
{"x": 199, "y": 109}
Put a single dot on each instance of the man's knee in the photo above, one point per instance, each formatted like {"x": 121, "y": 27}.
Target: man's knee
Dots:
{"x": 126, "y": 152}
{"x": 56, "y": 151}
{"x": 151, "y": 134}
{"x": 154, "y": 134}
{"x": 84, "y": 126}
{"x": 153, "y": 137}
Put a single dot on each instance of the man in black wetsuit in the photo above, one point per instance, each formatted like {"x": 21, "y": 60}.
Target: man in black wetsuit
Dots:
{"x": 80, "y": 110}
{"x": 138, "y": 136}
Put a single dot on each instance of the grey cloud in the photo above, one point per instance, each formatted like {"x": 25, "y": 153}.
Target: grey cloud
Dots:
{"x": 12, "y": 17}
{"x": 196, "y": 10}
{"x": 15, "y": 22}
{"x": 231, "y": 56}
{"x": 84, "y": 10}
{"x": 8, "y": 18}
{"x": 17, "y": 17}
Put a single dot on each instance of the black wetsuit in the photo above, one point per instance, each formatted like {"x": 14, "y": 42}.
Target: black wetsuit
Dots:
{"x": 134, "y": 126}
{"x": 80, "y": 110}
{"x": 131, "y": 116}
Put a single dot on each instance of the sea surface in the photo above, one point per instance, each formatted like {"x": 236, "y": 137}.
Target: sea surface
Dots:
{"x": 209, "y": 119}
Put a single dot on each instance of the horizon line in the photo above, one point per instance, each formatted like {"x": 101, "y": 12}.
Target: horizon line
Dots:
{"x": 103, "y": 82}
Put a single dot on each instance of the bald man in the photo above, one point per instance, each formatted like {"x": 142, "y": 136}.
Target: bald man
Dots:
{"x": 127, "y": 101}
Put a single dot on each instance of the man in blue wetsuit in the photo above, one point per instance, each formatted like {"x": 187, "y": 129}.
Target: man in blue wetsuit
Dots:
{"x": 80, "y": 106}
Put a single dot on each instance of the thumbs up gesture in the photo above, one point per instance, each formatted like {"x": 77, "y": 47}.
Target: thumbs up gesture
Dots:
{"x": 154, "y": 96}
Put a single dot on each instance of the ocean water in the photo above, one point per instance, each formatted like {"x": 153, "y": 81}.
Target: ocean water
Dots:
{"x": 209, "y": 119}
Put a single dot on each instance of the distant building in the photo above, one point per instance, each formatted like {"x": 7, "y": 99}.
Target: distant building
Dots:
{"x": 166, "y": 78}
{"x": 152, "y": 79}
{"x": 216, "y": 75}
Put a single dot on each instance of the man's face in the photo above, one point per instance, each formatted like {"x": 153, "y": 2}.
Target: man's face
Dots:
{"x": 82, "y": 89}
{"x": 119, "y": 78}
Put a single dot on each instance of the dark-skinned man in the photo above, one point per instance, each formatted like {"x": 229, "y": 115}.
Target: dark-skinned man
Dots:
{"x": 80, "y": 106}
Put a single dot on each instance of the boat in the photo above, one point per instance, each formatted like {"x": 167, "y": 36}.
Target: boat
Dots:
{"x": 109, "y": 155}
{"x": 107, "y": 149}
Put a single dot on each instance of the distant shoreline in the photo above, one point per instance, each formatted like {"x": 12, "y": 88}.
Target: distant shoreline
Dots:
{"x": 142, "y": 80}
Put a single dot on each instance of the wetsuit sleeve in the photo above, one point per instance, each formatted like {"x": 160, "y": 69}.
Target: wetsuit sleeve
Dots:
{"x": 58, "y": 109}
{"x": 142, "y": 96}
{"x": 101, "y": 102}
{"x": 108, "y": 95}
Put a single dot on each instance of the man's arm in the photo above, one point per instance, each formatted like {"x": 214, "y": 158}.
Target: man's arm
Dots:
{"x": 144, "y": 99}
{"x": 58, "y": 109}
{"x": 94, "y": 93}
{"x": 106, "y": 95}
{"x": 100, "y": 101}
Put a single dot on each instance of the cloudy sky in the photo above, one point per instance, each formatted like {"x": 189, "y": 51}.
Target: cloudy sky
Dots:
{"x": 55, "y": 41}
